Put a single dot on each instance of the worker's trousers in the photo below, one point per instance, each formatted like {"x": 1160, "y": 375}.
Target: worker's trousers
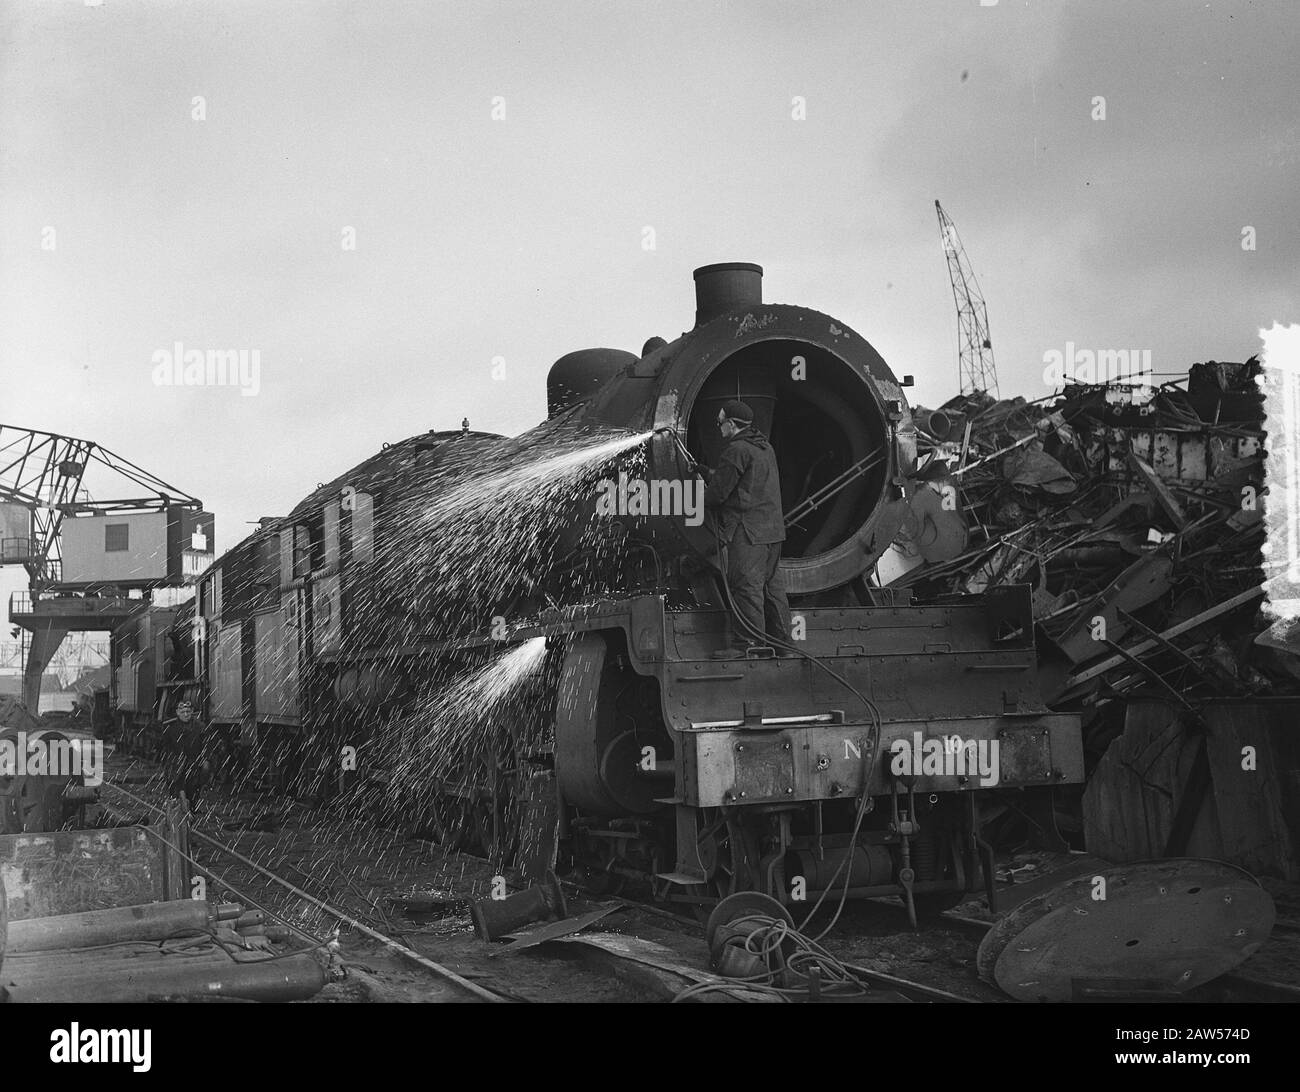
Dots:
{"x": 757, "y": 590}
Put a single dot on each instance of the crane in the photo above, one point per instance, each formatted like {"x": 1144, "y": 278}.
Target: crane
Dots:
{"x": 45, "y": 474}
{"x": 159, "y": 537}
{"x": 974, "y": 348}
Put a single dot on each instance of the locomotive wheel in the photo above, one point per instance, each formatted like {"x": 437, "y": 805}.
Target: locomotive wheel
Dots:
{"x": 483, "y": 808}
{"x": 714, "y": 850}
{"x": 448, "y": 820}
{"x": 727, "y": 872}
{"x": 488, "y": 822}
{"x": 486, "y": 826}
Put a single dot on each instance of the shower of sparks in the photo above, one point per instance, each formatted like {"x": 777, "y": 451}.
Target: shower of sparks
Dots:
{"x": 463, "y": 732}
{"x": 469, "y": 531}
{"x": 478, "y": 536}
{"x": 497, "y": 530}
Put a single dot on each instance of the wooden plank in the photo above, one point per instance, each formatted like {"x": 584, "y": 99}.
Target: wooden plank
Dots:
{"x": 1133, "y": 795}
{"x": 1248, "y": 817}
{"x": 669, "y": 969}
{"x": 1258, "y": 810}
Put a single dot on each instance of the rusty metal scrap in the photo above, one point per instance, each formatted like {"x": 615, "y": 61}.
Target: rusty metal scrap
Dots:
{"x": 1127, "y": 510}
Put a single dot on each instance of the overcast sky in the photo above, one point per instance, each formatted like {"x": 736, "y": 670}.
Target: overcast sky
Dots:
{"x": 523, "y": 237}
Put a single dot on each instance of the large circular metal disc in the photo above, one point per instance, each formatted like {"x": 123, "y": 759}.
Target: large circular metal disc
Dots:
{"x": 1162, "y": 924}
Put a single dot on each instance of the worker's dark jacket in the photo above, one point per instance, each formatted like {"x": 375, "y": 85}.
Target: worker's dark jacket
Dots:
{"x": 745, "y": 490}
{"x": 182, "y": 744}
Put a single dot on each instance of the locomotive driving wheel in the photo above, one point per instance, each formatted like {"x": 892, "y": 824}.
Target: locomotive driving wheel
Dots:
{"x": 492, "y": 808}
{"x": 728, "y": 854}
{"x": 713, "y": 846}
{"x": 447, "y": 818}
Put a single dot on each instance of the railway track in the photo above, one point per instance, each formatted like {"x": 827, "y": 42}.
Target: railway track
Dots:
{"x": 852, "y": 936}
{"x": 458, "y": 986}
{"x": 469, "y": 991}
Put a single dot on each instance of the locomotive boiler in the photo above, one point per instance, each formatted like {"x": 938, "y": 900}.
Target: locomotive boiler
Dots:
{"x": 851, "y": 763}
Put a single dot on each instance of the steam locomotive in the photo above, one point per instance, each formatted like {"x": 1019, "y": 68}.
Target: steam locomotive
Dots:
{"x": 858, "y": 764}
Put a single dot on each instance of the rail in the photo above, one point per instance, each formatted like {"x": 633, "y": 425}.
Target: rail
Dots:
{"x": 438, "y": 969}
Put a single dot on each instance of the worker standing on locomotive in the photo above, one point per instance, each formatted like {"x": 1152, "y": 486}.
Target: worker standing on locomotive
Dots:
{"x": 743, "y": 503}
{"x": 184, "y": 764}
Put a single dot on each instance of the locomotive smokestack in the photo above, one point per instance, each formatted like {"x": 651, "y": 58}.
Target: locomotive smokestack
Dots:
{"x": 724, "y": 286}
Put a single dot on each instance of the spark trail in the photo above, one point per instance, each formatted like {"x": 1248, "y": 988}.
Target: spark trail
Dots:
{"x": 467, "y": 529}
{"x": 448, "y": 723}
{"x": 472, "y": 732}
{"x": 488, "y": 533}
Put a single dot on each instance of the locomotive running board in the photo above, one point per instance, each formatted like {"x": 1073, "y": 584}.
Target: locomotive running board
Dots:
{"x": 685, "y": 879}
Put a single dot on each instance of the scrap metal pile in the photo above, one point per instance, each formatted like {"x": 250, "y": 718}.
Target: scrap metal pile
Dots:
{"x": 1135, "y": 514}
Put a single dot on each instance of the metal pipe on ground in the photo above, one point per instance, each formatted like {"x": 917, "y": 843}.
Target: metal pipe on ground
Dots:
{"x": 293, "y": 979}
{"x": 438, "y": 969}
{"x": 155, "y": 921}
{"x": 126, "y": 959}
{"x": 494, "y": 918}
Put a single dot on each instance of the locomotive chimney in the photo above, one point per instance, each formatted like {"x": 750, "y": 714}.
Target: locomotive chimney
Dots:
{"x": 725, "y": 286}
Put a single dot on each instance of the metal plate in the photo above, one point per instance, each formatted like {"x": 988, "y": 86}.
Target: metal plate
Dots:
{"x": 1024, "y": 755}
{"x": 1171, "y": 925}
{"x": 764, "y": 768}
{"x": 553, "y": 930}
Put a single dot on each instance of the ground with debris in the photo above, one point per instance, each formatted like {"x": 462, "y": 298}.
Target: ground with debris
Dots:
{"x": 412, "y": 892}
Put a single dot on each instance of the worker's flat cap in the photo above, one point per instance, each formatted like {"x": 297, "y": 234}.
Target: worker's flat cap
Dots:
{"x": 738, "y": 411}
